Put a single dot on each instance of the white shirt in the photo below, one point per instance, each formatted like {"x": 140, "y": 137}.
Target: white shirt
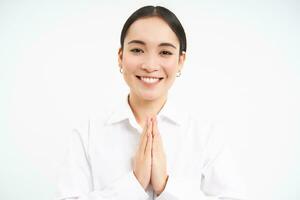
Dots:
{"x": 98, "y": 165}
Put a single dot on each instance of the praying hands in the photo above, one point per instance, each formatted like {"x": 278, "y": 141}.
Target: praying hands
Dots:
{"x": 149, "y": 164}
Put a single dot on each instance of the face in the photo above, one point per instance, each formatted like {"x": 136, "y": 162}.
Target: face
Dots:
{"x": 150, "y": 58}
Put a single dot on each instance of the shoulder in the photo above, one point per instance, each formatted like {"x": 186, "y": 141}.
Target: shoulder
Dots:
{"x": 85, "y": 125}
{"x": 208, "y": 130}
{"x": 199, "y": 122}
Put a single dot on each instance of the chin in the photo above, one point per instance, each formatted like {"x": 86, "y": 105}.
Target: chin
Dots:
{"x": 150, "y": 96}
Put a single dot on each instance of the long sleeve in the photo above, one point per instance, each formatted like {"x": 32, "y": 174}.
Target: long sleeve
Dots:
{"x": 220, "y": 175}
{"x": 75, "y": 179}
{"x": 220, "y": 179}
{"x": 220, "y": 182}
{"x": 181, "y": 189}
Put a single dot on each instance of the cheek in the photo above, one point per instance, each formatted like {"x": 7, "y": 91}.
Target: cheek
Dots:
{"x": 171, "y": 67}
{"x": 130, "y": 63}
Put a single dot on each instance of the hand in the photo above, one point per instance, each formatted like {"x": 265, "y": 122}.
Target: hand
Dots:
{"x": 159, "y": 175}
{"x": 142, "y": 159}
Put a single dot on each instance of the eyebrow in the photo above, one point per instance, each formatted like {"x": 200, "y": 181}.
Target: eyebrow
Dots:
{"x": 161, "y": 44}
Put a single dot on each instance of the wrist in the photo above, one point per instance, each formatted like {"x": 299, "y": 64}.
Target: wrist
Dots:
{"x": 162, "y": 187}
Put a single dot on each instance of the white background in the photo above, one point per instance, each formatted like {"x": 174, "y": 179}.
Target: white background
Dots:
{"x": 58, "y": 61}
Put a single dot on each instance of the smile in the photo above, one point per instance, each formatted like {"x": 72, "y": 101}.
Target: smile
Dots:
{"x": 149, "y": 80}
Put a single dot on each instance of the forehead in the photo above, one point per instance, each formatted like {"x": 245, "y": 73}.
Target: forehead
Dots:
{"x": 151, "y": 30}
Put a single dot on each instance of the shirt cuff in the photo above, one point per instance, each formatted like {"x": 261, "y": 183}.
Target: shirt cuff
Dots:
{"x": 136, "y": 190}
{"x": 169, "y": 192}
{"x": 181, "y": 189}
{"x": 127, "y": 187}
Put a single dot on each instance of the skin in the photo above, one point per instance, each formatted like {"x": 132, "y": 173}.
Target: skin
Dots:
{"x": 150, "y": 49}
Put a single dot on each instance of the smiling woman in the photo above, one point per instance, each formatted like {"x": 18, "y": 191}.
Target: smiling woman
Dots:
{"x": 150, "y": 59}
{"x": 148, "y": 147}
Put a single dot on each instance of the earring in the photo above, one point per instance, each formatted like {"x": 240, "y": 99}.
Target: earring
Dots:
{"x": 178, "y": 73}
{"x": 121, "y": 70}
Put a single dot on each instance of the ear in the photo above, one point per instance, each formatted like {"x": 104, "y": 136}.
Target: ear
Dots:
{"x": 120, "y": 56}
{"x": 182, "y": 57}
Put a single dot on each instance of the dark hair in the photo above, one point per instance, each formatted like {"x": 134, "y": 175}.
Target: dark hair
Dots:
{"x": 169, "y": 17}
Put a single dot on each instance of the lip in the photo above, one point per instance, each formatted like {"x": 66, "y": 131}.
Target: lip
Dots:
{"x": 139, "y": 77}
{"x": 149, "y": 84}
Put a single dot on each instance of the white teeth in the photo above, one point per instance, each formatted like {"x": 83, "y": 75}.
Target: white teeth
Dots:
{"x": 149, "y": 80}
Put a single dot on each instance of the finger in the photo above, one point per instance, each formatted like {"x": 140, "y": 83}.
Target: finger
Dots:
{"x": 155, "y": 129}
{"x": 149, "y": 140}
{"x": 157, "y": 143}
{"x": 150, "y": 127}
{"x": 144, "y": 136}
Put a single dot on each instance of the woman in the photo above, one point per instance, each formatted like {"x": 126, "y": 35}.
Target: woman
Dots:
{"x": 148, "y": 147}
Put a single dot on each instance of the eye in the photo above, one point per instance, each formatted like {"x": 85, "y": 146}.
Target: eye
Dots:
{"x": 137, "y": 51}
{"x": 166, "y": 53}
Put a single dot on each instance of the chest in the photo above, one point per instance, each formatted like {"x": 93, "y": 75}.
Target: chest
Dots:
{"x": 112, "y": 152}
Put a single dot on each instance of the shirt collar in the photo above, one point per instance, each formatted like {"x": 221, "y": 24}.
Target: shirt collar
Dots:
{"x": 121, "y": 112}
{"x": 171, "y": 111}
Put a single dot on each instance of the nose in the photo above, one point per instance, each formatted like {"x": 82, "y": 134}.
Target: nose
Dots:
{"x": 151, "y": 64}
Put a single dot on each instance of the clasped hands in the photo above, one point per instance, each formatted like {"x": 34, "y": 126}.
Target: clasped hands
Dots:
{"x": 149, "y": 163}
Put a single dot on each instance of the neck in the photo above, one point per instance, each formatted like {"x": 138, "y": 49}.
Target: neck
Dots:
{"x": 142, "y": 108}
